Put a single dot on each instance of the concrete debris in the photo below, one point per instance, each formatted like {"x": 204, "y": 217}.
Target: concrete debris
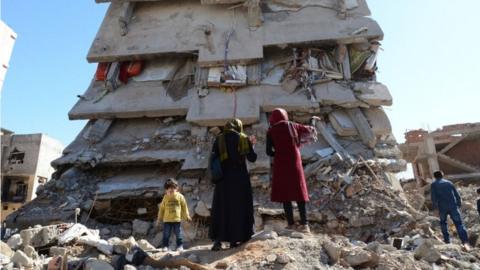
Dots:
{"x": 73, "y": 233}
{"x": 360, "y": 257}
{"x": 141, "y": 227}
{"x": 15, "y": 241}
{"x": 93, "y": 264}
{"x": 373, "y": 93}
{"x": 40, "y": 236}
{"x": 58, "y": 251}
{"x": 202, "y": 210}
{"x": 161, "y": 123}
{"x": 145, "y": 245}
{"x": 297, "y": 250}
{"x": 427, "y": 251}
{"x": 94, "y": 241}
{"x": 5, "y": 249}
{"x": 30, "y": 252}
{"x": 20, "y": 259}
{"x": 333, "y": 250}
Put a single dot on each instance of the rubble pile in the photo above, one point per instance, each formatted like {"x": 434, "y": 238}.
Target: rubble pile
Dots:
{"x": 73, "y": 246}
{"x": 469, "y": 210}
{"x": 155, "y": 106}
{"x": 169, "y": 75}
{"x": 419, "y": 198}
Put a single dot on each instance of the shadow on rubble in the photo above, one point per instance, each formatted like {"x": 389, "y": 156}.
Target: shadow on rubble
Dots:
{"x": 201, "y": 253}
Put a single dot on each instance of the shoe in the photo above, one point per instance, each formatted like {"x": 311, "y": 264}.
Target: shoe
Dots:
{"x": 304, "y": 229}
{"x": 467, "y": 247}
{"x": 217, "y": 246}
{"x": 165, "y": 249}
{"x": 180, "y": 248}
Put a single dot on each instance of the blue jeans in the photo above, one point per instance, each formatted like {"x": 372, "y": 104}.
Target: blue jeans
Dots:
{"x": 457, "y": 220}
{"x": 167, "y": 231}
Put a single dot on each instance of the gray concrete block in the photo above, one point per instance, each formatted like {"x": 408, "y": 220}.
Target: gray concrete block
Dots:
{"x": 186, "y": 27}
{"x": 342, "y": 123}
{"x": 373, "y": 93}
{"x": 379, "y": 121}
{"x": 135, "y": 99}
{"x": 333, "y": 93}
{"x": 218, "y": 107}
{"x": 274, "y": 97}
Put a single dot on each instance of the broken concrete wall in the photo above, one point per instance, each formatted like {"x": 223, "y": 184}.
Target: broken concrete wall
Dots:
{"x": 452, "y": 149}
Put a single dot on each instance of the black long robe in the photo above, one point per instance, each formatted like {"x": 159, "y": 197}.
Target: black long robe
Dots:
{"x": 232, "y": 207}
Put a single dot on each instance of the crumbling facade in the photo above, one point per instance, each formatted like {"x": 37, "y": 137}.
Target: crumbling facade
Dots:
{"x": 454, "y": 149}
{"x": 25, "y": 165}
{"x": 171, "y": 73}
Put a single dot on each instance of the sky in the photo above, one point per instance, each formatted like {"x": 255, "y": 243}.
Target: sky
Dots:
{"x": 429, "y": 62}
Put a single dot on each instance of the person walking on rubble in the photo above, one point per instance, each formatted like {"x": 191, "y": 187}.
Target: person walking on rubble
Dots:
{"x": 446, "y": 200}
{"x": 284, "y": 139}
{"x": 232, "y": 207}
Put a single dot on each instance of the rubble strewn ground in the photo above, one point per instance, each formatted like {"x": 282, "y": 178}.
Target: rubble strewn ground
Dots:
{"x": 362, "y": 223}
{"x": 147, "y": 125}
{"x": 281, "y": 249}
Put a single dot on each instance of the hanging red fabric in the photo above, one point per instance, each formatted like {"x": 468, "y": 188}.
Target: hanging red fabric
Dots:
{"x": 102, "y": 71}
{"x": 130, "y": 69}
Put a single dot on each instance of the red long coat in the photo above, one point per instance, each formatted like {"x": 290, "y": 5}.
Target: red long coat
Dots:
{"x": 288, "y": 180}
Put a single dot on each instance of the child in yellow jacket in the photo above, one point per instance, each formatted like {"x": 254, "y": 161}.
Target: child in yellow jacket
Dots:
{"x": 171, "y": 211}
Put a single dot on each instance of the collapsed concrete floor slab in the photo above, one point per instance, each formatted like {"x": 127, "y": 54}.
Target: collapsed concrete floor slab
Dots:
{"x": 171, "y": 74}
{"x": 171, "y": 79}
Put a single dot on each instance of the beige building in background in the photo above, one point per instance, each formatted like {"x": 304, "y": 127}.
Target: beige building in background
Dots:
{"x": 26, "y": 165}
{"x": 7, "y": 40}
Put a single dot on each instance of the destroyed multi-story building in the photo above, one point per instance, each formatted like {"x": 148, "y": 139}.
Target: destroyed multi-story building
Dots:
{"x": 25, "y": 165}
{"x": 454, "y": 149}
{"x": 170, "y": 73}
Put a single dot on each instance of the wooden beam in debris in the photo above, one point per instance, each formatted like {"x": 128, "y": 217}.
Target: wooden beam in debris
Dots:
{"x": 363, "y": 127}
{"x": 457, "y": 163}
{"x": 322, "y": 129}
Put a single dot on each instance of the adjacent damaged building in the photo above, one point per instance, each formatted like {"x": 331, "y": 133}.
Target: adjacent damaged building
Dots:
{"x": 25, "y": 166}
{"x": 454, "y": 149}
{"x": 171, "y": 73}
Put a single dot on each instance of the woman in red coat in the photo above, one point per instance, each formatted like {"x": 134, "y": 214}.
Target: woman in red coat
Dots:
{"x": 284, "y": 139}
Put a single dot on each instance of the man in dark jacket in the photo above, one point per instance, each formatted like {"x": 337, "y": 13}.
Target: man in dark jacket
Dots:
{"x": 446, "y": 199}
